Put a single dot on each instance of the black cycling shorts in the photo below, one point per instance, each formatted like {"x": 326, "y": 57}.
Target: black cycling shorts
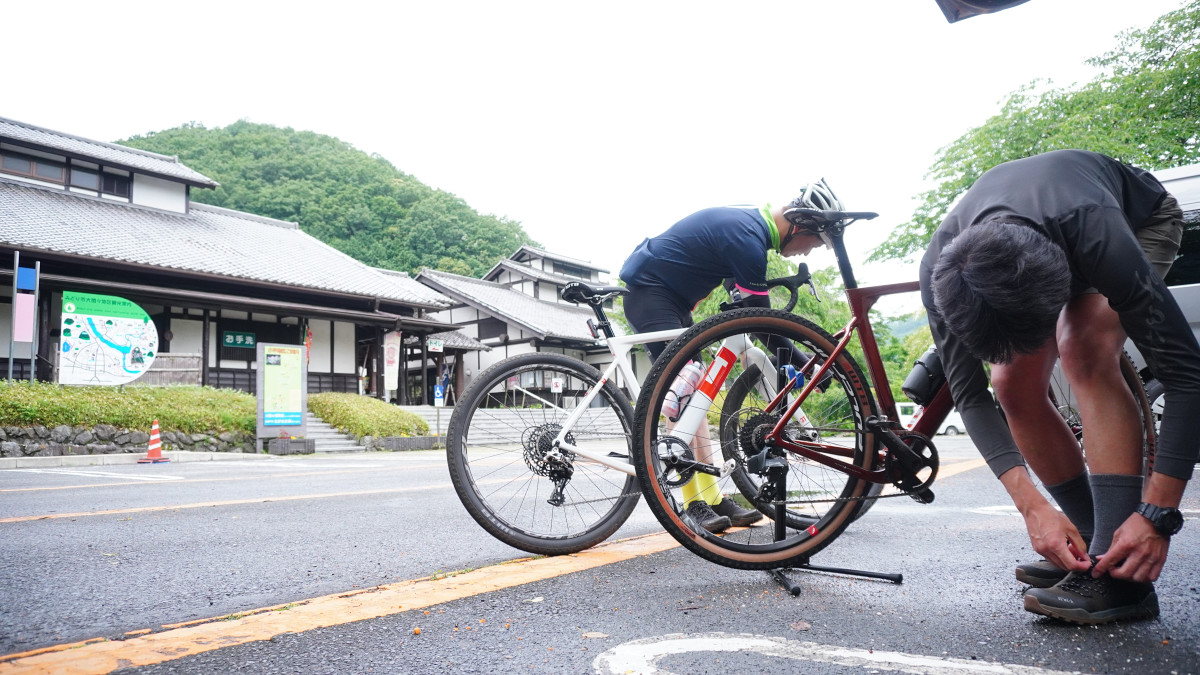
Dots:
{"x": 654, "y": 308}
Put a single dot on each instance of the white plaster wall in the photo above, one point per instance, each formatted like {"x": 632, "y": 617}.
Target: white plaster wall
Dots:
{"x": 187, "y": 336}
{"x": 160, "y": 194}
{"x": 319, "y": 357}
{"x": 343, "y": 347}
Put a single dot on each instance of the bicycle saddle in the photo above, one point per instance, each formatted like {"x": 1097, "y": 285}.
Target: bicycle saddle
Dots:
{"x": 577, "y": 291}
{"x": 816, "y": 220}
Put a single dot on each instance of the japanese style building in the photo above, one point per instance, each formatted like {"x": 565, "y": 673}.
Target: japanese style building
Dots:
{"x": 104, "y": 219}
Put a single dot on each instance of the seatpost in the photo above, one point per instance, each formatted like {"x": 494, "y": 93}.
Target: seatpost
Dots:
{"x": 602, "y": 324}
{"x": 838, "y": 242}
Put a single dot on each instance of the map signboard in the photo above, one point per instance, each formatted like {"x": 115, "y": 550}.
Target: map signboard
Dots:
{"x": 282, "y": 381}
{"x": 282, "y": 388}
{"x": 106, "y": 340}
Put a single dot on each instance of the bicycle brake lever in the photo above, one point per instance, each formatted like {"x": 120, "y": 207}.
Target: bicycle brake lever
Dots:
{"x": 812, "y": 288}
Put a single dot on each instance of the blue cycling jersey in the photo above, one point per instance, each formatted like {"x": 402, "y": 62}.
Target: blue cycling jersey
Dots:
{"x": 696, "y": 254}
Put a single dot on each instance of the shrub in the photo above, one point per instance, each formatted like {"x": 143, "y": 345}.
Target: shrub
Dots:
{"x": 187, "y": 409}
{"x": 365, "y": 416}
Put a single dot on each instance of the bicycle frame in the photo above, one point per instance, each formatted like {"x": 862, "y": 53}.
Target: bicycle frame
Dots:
{"x": 861, "y": 300}
{"x": 689, "y": 423}
{"x": 619, "y": 347}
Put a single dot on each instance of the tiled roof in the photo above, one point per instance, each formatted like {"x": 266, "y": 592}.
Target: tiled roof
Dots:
{"x": 539, "y": 253}
{"x": 208, "y": 240}
{"x": 451, "y": 340}
{"x": 546, "y": 319}
{"x": 103, "y": 153}
{"x": 419, "y": 292}
{"x": 527, "y": 272}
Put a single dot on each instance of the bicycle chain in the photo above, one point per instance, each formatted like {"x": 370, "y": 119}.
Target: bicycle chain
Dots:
{"x": 807, "y": 501}
{"x": 843, "y": 499}
{"x": 603, "y": 499}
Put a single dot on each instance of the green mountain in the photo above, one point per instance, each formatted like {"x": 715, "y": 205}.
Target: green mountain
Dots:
{"x": 355, "y": 202}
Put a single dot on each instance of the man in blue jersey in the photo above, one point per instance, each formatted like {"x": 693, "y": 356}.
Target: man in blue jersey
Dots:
{"x": 669, "y": 274}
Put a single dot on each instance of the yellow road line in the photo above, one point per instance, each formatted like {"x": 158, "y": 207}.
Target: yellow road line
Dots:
{"x": 231, "y": 502}
{"x": 329, "y": 610}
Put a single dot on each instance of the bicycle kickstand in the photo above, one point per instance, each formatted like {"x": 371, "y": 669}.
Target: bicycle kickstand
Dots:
{"x": 777, "y": 483}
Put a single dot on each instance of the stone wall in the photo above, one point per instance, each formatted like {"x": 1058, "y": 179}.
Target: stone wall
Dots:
{"x": 104, "y": 439}
{"x": 400, "y": 442}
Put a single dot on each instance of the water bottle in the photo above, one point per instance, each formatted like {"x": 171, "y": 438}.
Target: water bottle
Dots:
{"x": 681, "y": 390}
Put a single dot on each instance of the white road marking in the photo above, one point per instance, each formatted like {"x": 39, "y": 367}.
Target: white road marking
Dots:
{"x": 98, "y": 474}
{"x": 642, "y": 656}
{"x": 998, "y": 510}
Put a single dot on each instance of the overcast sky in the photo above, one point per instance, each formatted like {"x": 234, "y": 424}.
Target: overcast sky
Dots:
{"x": 593, "y": 124}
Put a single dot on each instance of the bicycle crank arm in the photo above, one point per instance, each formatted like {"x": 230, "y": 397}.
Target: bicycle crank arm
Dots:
{"x": 907, "y": 462}
{"x": 682, "y": 464}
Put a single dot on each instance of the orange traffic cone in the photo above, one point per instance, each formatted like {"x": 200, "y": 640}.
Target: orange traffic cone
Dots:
{"x": 155, "y": 455}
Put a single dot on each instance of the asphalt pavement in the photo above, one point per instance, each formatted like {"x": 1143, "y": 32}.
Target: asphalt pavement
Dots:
{"x": 368, "y": 563}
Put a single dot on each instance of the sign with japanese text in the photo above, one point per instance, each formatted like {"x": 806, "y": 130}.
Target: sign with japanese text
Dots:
{"x": 106, "y": 340}
{"x": 238, "y": 339}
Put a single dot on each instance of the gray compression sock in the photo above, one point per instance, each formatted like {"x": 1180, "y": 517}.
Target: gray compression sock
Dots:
{"x": 1116, "y": 497}
{"x": 1074, "y": 497}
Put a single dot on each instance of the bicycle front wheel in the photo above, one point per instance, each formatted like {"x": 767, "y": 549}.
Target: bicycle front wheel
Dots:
{"x": 509, "y": 474}
{"x": 820, "y": 500}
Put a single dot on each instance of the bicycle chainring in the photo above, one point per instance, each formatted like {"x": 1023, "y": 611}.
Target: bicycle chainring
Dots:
{"x": 906, "y": 471}
{"x": 670, "y": 451}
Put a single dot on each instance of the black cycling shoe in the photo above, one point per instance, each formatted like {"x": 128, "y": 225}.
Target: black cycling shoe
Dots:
{"x": 703, "y": 515}
{"x": 1040, "y": 574}
{"x": 1043, "y": 573}
{"x": 738, "y": 516}
{"x": 1083, "y": 600}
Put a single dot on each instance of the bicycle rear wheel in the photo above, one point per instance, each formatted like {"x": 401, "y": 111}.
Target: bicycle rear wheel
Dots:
{"x": 499, "y": 447}
{"x": 820, "y": 500}
{"x": 1063, "y": 397}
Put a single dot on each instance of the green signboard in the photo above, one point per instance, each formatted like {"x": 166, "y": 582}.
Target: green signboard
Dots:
{"x": 283, "y": 389}
{"x": 238, "y": 339}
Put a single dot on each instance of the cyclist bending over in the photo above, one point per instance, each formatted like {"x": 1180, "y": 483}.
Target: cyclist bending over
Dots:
{"x": 669, "y": 274}
{"x": 1062, "y": 255}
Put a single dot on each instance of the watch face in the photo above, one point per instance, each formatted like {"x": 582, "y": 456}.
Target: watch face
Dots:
{"x": 1170, "y": 522}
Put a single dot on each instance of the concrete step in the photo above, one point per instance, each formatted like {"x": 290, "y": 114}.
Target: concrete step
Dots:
{"x": 329, "y": 439}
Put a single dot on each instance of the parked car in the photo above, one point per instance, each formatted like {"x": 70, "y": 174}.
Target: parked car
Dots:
{"x": 911, "y": 412}
{"x": 1184, "y": 278}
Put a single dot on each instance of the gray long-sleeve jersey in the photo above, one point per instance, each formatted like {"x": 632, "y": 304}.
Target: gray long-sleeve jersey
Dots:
{"x": 1091, "y": 206}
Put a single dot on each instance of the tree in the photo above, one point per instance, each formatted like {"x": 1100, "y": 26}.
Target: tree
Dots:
{"x": 355, "y": 202}
{"x": 1143, "y": 109}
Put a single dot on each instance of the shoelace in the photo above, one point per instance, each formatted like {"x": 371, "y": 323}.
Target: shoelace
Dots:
{"x": 1083, "y": 584}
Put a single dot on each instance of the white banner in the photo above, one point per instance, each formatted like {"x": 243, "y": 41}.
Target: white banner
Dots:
{"x": 391, "y": 360}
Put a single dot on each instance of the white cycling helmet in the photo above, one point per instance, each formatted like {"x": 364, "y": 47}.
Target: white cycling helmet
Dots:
{"x": 816, "y": 196}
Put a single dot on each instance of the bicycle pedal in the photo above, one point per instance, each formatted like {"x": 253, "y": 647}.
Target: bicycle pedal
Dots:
{"x": 923, "y": 496}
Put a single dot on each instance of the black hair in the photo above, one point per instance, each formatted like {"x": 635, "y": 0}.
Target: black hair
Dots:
{"x": 999, "y": 287}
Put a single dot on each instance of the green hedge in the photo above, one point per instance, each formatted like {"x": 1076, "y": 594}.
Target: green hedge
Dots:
{"x": 365, "y": 416}
{"x": 187, "y": 409}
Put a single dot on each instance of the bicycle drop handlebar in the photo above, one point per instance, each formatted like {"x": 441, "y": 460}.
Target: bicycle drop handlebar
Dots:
{"x": 791, "y": 283}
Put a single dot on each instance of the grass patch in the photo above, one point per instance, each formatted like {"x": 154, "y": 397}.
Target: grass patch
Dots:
{"x": 365, "y": 416}
{"x": 187, "y": 409}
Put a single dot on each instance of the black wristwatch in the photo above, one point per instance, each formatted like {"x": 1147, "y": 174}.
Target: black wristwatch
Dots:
{"x": 1165, "y": 519}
